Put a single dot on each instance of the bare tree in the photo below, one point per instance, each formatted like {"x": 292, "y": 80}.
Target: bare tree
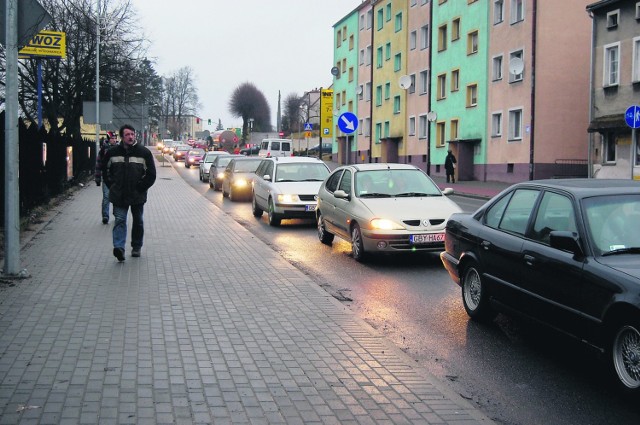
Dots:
{"x": 180, "y": 99}
{"x": 249, "y": 102}
{"x": 292, "y": 118}
{"x": 69, "y": 81}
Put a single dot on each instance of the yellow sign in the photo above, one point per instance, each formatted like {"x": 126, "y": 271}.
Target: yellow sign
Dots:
{"x": 46, "y": 43}
{"x": 307, "y": 134}
{"x": 326, "y": 113}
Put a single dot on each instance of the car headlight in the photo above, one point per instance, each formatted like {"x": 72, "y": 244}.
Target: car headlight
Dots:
{"x": 221, "y": 175}
{"x": 240, "y": 182}
{"x": 286, "y": 198}
{"x": 384, "y": 224}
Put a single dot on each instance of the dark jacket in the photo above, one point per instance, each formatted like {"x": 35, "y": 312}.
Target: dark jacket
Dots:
{"x": 449, "y": 162}
{"x": 104, "y": 147}
{"x": 128, "y": 173}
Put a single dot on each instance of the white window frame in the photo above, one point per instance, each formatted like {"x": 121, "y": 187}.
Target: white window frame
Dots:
{"x": 423, "y": 122}
{"x": 362, "y": 22}
{"x": 424, "y": 37}
{"x": 368, "y": 57}
{"x": 517, "y": 10}
{"x": 367, "y": 127}
{"x": 516, "y": 54}
{"x": 361, "y": 90}
{"x": 496, "y": 124}
{"x": 613, "y": 19}
{"x": 412, "y": 87}
{"x": 607, "y": 71}
{"x": 362, "y": 55}
{"x": 412, "y": 125}
{"x": 413, "y": 40}
{"x": 638, "y": 10}
{"x": 496, "y": 68}
{"x": 515, "y": 129}
{"x": 498, "y": 12}
{"x": 635, "y": 68}
{"x": 367, "y": 91}
{"x": 424, "y": 82}
{"x": 608, "y": 139}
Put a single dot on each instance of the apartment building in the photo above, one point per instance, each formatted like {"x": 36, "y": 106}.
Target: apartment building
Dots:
{"x": 615, "y": 84}
{"x": 364, "y": 90}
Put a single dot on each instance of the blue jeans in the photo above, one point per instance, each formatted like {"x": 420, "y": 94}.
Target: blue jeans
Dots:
{"x": 105, "y": 201}
{"x": 120, "y": 226}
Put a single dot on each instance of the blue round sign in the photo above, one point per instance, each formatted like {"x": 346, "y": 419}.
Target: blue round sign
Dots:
{"x": 632, "y": 116}
{"x": 348, "y": 122}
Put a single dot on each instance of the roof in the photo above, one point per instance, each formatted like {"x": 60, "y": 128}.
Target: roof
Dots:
{"x": 601, "y": 3}
{"x": 582, "y": 188}
{"x": 382, "y": 166}
{"x": 608, "y": 122}
{"x": 293, "y": 159}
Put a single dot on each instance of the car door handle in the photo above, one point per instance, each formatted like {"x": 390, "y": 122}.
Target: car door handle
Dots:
{"x": 485, "y": 244}
{"x": 530, "y": 260}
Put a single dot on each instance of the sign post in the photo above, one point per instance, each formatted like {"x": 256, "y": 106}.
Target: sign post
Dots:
{"x": 326, "y": 116}
{"x": 632, "y": 118}
{"x": 348, "y": 122}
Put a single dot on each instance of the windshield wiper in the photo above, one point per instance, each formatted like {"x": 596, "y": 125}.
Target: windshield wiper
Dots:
{"x": 311, "y": 180}
{"x": 375, "y": 195}
{"x": 411, "y": 194}
{"x": 630, "y": 250}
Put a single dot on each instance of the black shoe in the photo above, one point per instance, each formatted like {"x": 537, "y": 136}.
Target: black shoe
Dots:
{"x": 105, "y": 220}
{"x": 119, "y": 254}
{"x": 135, "y": 252}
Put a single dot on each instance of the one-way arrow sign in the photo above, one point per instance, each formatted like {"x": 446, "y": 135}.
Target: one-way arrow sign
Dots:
{"x": 348, "y": 122}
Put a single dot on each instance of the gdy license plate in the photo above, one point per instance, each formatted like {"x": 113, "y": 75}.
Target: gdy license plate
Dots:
{"x": 423, "y": 239}
{"x": 310, "y": 207}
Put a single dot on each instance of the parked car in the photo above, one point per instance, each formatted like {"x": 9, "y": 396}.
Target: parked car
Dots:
{"x": 216, "y": 171}
{"x": 564, "y": 253}
{"x": 287, "y": 187}
{"x": 206, "y": 162}
{"x": 383, "y": 208}
{"x": 253, "y": 150}
{"x": 238, "y": 177}
{"x": 193, "y": 157}
{"x": 180, "y": 152}
{"x": 326, "y": 148}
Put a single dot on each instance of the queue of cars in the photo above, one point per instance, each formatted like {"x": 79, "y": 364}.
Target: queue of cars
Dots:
{"x": 563, "y": 253}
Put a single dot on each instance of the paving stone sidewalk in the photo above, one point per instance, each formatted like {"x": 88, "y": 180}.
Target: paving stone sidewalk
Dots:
{"x": 187, "y": 334}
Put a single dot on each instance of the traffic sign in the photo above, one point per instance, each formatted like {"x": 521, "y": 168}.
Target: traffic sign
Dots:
{"x": 308, "y": 126}
{"x": 632, "y": 116}
{"x": 348, "y": 122}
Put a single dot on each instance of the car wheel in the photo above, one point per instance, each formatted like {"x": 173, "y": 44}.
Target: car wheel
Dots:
{"x": 324, "y": 236}
{"x": 232, "y": 198}
{"x": 210, "y": 185}
{"x": 274, "y": 219}
{"x": 257, "y": 212}
{"x": 474, "y": 294}
{"x": 357, "y": 244}
{"x": 186, "y": 165}
{"x": 201, "y": 177}
{"x": 224, "y": 194}
{"x": 625, "y": 354}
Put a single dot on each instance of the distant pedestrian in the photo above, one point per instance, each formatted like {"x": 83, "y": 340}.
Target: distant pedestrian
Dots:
{"x": 129, "y": 170}
{"x": 236, "y": 150}
{"x": 110, "y": 141}
{"x": 450, "y": 166}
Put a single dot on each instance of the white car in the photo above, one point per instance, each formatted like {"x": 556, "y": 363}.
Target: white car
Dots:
{"x": 206, "y": 162}
{"x": 383, "y": 208}
{"x": 287, "y": 187}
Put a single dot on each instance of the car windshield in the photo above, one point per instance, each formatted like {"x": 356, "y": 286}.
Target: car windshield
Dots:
{"x": 301, "y": 172}
{"x": 197, "y": 152}
{"x": 390, "y": 183}
{"x": 248, "y": 166}
{"x": 612, "y": 223}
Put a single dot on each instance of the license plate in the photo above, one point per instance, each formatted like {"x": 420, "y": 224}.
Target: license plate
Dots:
{"x": 310, "y": 207}
{"x": 430, "y": 238}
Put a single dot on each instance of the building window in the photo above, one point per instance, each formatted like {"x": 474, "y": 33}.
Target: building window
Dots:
{"x": 396, "y": 104}
{"x": 351, "y": 42}
{"x": 442, "y": 86}
{"x": 472, "y": 95}
{"x": 412, "y": 126}
{"x": 442, "y": 38}
{"x": 360, "y": 127}
{"x": 387, "y": 127}
{"x": 413, "y": 3}
{"x": 360, "y": 92}
{"x": 369, "y": 19}
{"x": 339, "y": 70}
{"x": 387, "y": 51}
{"x": 397, "y": 62}
{"x": 638, "y": 10}
{"x": 398, "y": 25}
{"x": 362, "y": 57}
{"x": 388, "y": 12}
{"x": 339, "y": 38}
{"x": 440, "y": 134}
{"x": 378, "y": 132}
{"x": 368, "y": 55}
{"x": 412, "y": 87}
{"x": 516, "y": 57}
{"x": 496, "y": 124}
{"x": 367, "y": 92}
{"x": 472, "y": 42}
{"x": 517, "y": 11}
{"x": 608, "y": 148}
{"x": 378, "y": 95}
{"x": 413, "y": 40}
{"x": 387, "y": 90}
{"x": 496, "y": 68}
{"x": 424, "y": 82}
{"x": 367, "y": 127}
{"x": 338, "y": 100}
{"x": 611, "y": 65}
{"x": 455, "y": 29}
{"x": 362, "y": 22}
{"x": 612, "y": 18}
{"x": 635, "y": 67}
{"x": 455, "y": 80}
{"x": 422, "y": 127}
{"x": 498, "y": 11}
{"x": 350, "y": 74}
{"x": 453, "y": 130}
{"x": 379, "y": 57}
{"x": 380, "y": 19}
{"x": 424, "y": 37}
{"x": 515, "y": 124}
{"x": 344, "y": 97}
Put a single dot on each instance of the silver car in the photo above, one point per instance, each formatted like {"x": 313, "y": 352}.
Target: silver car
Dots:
{"x": 383, "y": 208}
{"x": 206, "y": 162}
{"x": 287, "y": 187}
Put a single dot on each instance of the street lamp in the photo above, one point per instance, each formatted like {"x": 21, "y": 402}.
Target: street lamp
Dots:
{"x": 98, "y": 79}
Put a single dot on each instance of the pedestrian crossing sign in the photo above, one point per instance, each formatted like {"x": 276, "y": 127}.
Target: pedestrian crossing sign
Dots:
{"x": 308, "y": 126}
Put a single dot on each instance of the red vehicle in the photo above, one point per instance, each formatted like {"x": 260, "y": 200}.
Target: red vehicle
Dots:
{"x": 193, "y": 157}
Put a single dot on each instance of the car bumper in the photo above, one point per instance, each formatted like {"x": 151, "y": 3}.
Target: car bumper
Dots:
{"x": 302, "y": 210}
{"x": 451, "y": 265}
{"x": 376, "y": 241}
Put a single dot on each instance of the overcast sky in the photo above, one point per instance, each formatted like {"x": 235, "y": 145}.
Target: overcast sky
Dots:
{"x": 284, "y": 45}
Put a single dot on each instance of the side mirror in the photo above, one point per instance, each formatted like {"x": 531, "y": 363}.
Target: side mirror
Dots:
{"x": 447, "y": 191}
{"x": 267, "y": 177}
{"x": 341, "y": 194}
{"x": 566, "y": 241}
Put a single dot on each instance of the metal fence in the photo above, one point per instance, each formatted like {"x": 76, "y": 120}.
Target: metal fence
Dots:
{"x": 571, "y": 168}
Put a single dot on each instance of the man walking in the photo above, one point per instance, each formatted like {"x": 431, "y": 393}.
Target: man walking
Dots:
{"x": 129, "y": 171}
{"x": 110, "y": 142}
{"x": 450, "y": 166}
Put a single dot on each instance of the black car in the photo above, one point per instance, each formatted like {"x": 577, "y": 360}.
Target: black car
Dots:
{"x": 565, "y": 253}
{"x": 326, "y": 148}
{"x": 253, "y": 150}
